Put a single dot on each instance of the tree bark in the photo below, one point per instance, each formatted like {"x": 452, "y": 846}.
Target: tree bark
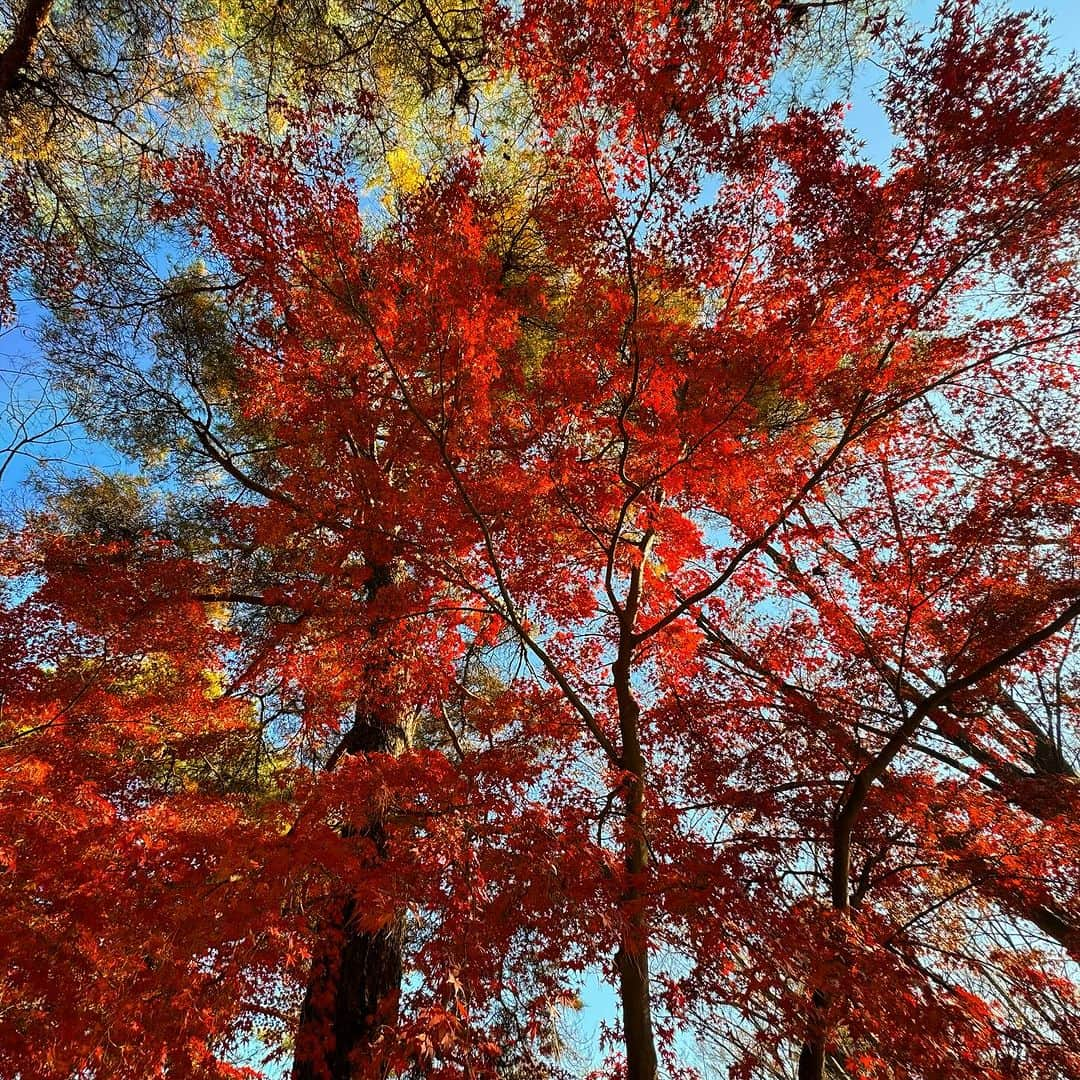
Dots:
{"x": 632, "y": 958}
{"x": 355, "y": 977}
{"x": 812, "y": 1056}
{"x": 351, "y": 994}
{"x": 24, "y": 38}
{"x": 1046, "y": 793}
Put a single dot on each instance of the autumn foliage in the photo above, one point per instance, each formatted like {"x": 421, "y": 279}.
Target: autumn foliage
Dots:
{"x": 642, "y": 548}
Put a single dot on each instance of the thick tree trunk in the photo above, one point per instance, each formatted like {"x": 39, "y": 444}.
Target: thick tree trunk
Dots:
{"x": 24, "y": 38}
{"x": 812, "y": 1061}
{"x": 355, "y": 977}
{"x": 812, "y": 1056}
{"x": 351, "y": 994}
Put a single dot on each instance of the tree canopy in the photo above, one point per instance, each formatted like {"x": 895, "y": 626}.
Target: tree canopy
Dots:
{"x": 581, "y": 520}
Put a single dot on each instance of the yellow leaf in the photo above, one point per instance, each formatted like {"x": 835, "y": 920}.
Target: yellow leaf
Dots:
{"x": 406, "y": 172}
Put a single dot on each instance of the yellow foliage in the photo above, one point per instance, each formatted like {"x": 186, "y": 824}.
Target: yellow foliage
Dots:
{"x": 336, "y": 13}
{"x": 218, "y": 614}
{"x": 406, "y": 172}
{"x": 24, "y": 134}
{"x": 215, "y": 684}
{"x": 156, "y": 672}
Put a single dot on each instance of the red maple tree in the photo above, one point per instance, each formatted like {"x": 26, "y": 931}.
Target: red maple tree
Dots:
{"x": 670, "y": 572}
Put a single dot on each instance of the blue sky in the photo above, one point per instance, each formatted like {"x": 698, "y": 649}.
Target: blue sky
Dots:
{"x": 866, "y": 117}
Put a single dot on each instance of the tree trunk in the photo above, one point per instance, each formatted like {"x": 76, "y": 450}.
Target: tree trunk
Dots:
{"x": 632, "y": 958}
{"x": 355, "y": 976}
{"x": 24, "y": 38}
{"x": 352, "y": 992}
{"x": 812, "y": 1056}
{"x": 1047, "y": 793}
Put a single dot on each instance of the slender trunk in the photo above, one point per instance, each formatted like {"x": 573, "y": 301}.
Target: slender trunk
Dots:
{"x": 632, "y": 958}
{"x": 1010, "y": 892}
{"x": 24, "y": 38}
{"x": 355, "y": 976}
{"x": 1054, "y": 925}
{"x": 813, "y": 1050}
{"x": 1047, "y": 794}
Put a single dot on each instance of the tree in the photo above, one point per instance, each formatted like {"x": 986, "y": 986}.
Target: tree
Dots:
{"x": 662, "y": 564}
{"x": 90, "y": 91}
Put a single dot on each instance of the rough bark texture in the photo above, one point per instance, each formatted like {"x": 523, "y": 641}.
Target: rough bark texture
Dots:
{"x": 637, "y": 1021}
{"x": 632, "y": 963}
{"x": 24, "y": 38}
{"x": 812, "y": 1057}
{"x": 352, "y": 992}
{"x": 632, "y": 959}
